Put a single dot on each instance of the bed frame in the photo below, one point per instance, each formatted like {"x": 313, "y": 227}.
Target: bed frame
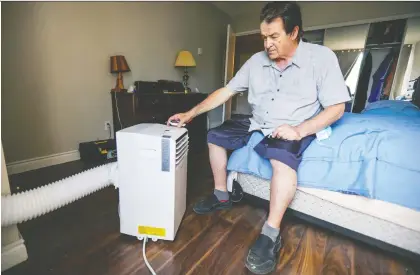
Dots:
{"x": 295, "y": 209}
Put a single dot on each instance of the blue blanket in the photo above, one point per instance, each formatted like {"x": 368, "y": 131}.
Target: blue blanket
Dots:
{"x": 374, "y": 154}
{"x": 392, "y": 108}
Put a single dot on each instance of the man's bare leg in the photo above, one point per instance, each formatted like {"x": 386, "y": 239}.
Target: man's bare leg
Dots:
{"x": 220, "y": 199}
{"x": 218, "y": 163}
{"x": 262, "y": 257}
{"x": 283, "y": 189}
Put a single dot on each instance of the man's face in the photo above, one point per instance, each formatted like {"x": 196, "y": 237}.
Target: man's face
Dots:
{"x": 277, "y": 43}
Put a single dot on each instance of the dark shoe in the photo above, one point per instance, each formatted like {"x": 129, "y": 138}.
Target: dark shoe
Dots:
{"x": 210, "y": 204}
{"x": 262, "y": 257}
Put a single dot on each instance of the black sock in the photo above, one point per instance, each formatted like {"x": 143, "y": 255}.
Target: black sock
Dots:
{"x": 270, "y": 232}
{"x": 222, "y": 196}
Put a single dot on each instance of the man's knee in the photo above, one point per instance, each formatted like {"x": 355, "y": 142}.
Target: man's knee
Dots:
{"x": 282, "y": 169}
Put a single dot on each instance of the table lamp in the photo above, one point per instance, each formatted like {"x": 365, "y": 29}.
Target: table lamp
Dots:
{"x": 185, "y": 59}
{"x": 119, "y": 65}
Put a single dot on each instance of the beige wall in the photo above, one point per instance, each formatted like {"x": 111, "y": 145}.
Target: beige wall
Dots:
{"x": 327, "y": 13}
{"x": 55, "y": 64}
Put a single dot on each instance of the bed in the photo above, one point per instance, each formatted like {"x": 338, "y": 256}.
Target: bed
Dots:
{"x": 363, "y": 181}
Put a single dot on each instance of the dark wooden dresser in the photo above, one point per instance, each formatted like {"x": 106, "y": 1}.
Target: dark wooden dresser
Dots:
{"x": 135, "y": 108}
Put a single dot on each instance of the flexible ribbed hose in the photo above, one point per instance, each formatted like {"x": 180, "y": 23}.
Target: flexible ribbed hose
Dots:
{"x": 30, "y": 204}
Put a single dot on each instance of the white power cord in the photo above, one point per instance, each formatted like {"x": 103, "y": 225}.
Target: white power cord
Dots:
{"x": 145, "y": 258}
{"x": 118, "y": 111}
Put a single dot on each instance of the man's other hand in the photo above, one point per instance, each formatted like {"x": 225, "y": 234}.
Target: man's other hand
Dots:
{"x": 182, "y": 118}
{"x": 286, "y": 132}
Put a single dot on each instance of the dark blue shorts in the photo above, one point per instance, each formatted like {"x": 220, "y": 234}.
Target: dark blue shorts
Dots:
{"x": 234, "y": 134}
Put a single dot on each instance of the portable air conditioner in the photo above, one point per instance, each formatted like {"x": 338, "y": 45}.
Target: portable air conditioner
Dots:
{"x": 152, "y": 171}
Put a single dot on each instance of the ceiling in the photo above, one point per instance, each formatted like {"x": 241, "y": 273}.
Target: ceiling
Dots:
{"x": 235, "y": 8}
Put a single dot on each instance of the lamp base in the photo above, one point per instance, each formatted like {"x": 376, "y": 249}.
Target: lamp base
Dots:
{"x": 119, "y": 86}
{"x": 185, "y": 79}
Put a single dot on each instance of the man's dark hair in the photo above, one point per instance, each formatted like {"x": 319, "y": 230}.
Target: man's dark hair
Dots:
{"x": 289, "y": 12}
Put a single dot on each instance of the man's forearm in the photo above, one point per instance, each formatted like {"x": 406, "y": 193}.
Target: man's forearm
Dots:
{"x": 324, "y": 119}
{"x": 212, "y": 101}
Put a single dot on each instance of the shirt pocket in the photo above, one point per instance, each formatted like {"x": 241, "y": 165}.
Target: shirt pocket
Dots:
{"x": 260, "y": 85}
{"x": 260, "y": 88}
{"x": 301, "y": 89}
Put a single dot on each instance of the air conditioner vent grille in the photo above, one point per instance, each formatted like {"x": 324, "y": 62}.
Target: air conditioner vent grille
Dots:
{"x": 182, "y": 145}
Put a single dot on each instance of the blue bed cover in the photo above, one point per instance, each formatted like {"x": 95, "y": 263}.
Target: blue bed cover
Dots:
{"x": 375, "y": 154}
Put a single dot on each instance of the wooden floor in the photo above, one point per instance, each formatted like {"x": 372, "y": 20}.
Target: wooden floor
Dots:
{"x": 84, "y": 238}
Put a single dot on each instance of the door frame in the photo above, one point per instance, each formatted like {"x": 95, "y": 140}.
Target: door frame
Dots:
{"x": 228, "y": 69}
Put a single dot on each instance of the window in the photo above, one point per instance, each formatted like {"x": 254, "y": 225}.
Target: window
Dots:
{"x": 353, "y": 75}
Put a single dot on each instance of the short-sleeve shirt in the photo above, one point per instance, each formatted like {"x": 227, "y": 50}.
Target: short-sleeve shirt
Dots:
{"x": 310, "y": 82}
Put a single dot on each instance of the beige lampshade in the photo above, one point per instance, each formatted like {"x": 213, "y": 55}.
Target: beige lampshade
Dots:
{"x": 185, "y": 59}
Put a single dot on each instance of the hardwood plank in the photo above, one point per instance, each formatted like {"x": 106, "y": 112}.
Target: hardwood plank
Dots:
{"x": 310, "y": 255}
{"x": 232, "y": 215}
{"x": 228, "y": 257}
{"x": 368, "y": 262}
{"x": 96, "y": 262}
{"x": 390, "y": 266}
{"x": 321, "y": 245}
{"x": 191, "y": 228}
{"x": 300, "y": 256}
{"x": 292, "y": 235}
{"x": 339, "y": 257}
{"x": 180, "y": 261}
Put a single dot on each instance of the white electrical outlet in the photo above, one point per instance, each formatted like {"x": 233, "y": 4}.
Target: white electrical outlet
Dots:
{"x": 107, "y": 125}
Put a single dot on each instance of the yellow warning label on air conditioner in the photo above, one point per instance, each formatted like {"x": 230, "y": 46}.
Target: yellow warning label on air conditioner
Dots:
{"x": 147, "y": 230}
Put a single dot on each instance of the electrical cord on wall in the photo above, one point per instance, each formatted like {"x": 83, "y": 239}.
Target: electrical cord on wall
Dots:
{"x": 110, "y": 132}
{"x": 118, "y": 111}
{"x": 145, "y": 258}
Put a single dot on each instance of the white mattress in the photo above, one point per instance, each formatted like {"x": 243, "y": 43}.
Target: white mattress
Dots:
{"x": 389, "y": 223}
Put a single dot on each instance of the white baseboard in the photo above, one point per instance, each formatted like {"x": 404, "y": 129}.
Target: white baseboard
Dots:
{"x": 13, "y": 254}
{"x": 41, "y": 162}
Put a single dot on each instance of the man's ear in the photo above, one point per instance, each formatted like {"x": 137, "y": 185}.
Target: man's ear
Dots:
{"x": 294, "y": 33}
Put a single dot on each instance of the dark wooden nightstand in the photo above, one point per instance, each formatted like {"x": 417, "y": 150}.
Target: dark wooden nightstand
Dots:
{"x": 135, "y": 108}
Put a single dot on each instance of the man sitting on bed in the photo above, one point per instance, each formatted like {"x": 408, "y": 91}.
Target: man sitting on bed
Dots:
{"x": 295, "y": 89}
